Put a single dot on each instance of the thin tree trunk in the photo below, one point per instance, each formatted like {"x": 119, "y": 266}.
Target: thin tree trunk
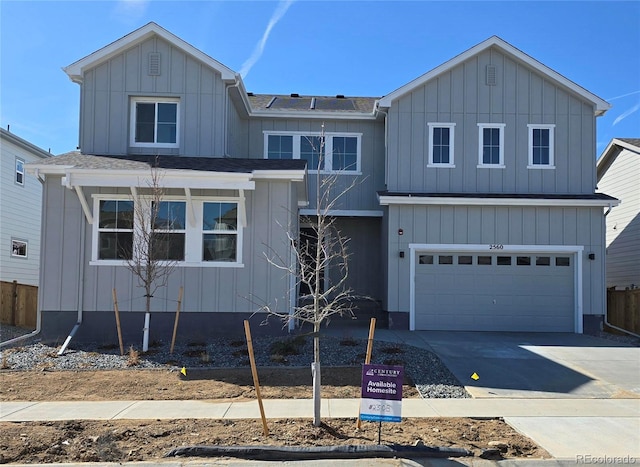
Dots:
{"x": 315, "y": 371}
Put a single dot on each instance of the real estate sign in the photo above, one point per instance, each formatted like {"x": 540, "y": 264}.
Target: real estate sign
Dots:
{"x": 381, "y": 393}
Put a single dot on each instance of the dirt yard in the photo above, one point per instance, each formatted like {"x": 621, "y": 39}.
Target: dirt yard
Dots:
{"x": 134, "y": 440}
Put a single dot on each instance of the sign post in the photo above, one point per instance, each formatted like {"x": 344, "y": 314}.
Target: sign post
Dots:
{"x": 381, "y": 394}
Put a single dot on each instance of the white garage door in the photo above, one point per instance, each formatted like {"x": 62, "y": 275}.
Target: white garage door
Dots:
{"x": 494, "y": 292}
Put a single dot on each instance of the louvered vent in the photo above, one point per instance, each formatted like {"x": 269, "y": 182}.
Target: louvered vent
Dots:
{"x": 491, "y": 75}
{"x": 154, "y": 64}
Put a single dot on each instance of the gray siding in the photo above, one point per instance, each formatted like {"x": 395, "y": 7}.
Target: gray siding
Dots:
{"x": 363, "y": 195}
{"x": 495, "y": 225}
{"x": 108, "y": 88}
{"x": 622, "y": 180}
{"x": 209, "y": 289}
{"x": 520, "y": 97}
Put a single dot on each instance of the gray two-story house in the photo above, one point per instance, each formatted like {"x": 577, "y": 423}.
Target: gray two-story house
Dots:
{"x": 472, "y": 206}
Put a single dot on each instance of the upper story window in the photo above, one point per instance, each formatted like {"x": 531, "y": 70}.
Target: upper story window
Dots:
{"x": 19, "y": 172}
{"x": 491, "y": 145}
{"x": 208, "y": 236}
{"x": 441, "y": 139}
{"x": 339, "y": 152}
{"x": 154, "y": 122}
{"x": 541, "y": 147}
{"x": 19, "y": 248}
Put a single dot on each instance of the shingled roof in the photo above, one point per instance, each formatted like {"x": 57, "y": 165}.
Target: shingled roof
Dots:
{"x": 279, "y": 103}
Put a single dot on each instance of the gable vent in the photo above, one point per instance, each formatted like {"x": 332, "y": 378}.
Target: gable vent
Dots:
{"x": 154, "y": 64}
{"x": 491, "y": 75}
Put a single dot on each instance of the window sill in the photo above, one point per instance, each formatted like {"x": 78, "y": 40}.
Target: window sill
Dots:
{"x": 180, "y": 264}
{"x": 492, "y": 166}
{"x": 542, "y": 167}
{"x": 155, "y": 145}
{"x": 334, "y": 172}
{"x": 442, "y": 166}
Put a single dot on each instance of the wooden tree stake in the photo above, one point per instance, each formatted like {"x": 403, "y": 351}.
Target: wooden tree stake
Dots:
{"x": 115, "y": 308}
{"x": 254, "y": 372}
{"x": 367, "y": 360}
{"x": 175, "y": 324}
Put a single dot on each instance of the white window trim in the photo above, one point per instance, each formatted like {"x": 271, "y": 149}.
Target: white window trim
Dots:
{"x": 481, "y": 127}
{"x": 132, "y": 122}
{"x": 451, "y": 163}
{"x": 193, "y": 232}
{"x": 328, "y": 149}
{"x": 551, "y": 128}
{"x": 21, "y": 172}
{"x": 26, "y": 248}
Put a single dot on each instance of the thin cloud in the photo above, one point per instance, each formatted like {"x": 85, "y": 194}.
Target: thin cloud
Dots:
{"x": 282, "y": 8}
{"x": 624, "y": 115}
{"x": 130, "y": 11}
{"x": 623, "y": 95}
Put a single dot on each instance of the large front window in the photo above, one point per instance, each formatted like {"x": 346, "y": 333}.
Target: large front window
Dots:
{"x": 219, "y": 231}
{"x": 338, "y": 152}
{"x": 154, "y": 122}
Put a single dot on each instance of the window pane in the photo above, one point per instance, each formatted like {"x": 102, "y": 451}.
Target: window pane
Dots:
{"x": 543, "y": 261}
{"x": 484, "y": 260}
{"x": 523, "y": 261}
{"x": 280, "y": 147}
{"x": 167, "y": 113}
{"x": 490, "y": 145}
{"x": 219, "y": 247}
{"x": 166, "y": 133}
{"x": 563, "y": 261}
{"x": 540, "y": 146}
{"x": 171, "y": 215}
{"x": 310, "y": 147}
{"x": 345, "y": 153}
{"x": 445, "y": 259}
{"x": 465, "y": 259}
{"x": 18, "y": 248}
{"x": 425, "y": 259}
{"x": 167, "y": 246}
{"x": 441, "y": 146}
{"x": 220, "y": 216}
{"x": 115, "y": 245}
{"x": 145, "y": 122}
{"x": 504, "y": 260}
{"x": 116, "y": 214}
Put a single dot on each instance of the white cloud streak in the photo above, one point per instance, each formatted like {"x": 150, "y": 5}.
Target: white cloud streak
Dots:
{"x": 130, "y": 11}
{"x": 625, "y": 114}
{"x": 281, "y": 9}
{"x": 623, "y": 95}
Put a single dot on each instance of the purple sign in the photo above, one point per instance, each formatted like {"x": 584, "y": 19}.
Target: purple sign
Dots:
{"x": 381, "y": 393}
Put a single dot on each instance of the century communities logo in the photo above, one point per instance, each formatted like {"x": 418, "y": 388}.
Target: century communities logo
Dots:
{"x": 605, "y": 460}
{"x": 383, "y": 372}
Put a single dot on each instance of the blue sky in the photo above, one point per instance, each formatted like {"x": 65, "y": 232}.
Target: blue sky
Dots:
{"x": 359, "y": 48}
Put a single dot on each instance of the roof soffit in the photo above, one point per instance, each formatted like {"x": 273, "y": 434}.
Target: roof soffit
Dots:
{"x": 601, "y": 106}
{"x": 76, "y": 70}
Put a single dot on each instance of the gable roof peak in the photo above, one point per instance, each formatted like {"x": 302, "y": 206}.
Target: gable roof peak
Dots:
{"x": 75, "y": 70}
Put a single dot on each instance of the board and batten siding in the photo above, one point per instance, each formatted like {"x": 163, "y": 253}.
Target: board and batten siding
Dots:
{"x": 495, "y": 225}
{"x": 107, "y": 89}
{"x": 206, "y": 289}
{"x": 362, "y": 196}
{"x": 622, "y": 181}
{"x": 520, "y": 97}
{"x": 20, "y": 210}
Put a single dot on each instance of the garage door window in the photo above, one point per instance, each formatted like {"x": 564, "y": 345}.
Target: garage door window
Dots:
{"x": 563, "y": 261}
{"x": 465, "y": 259}
{"x": 484, "y": 260}
{"x": 523, "y": 261}
{"x": 445, "y": 259}
{"x": 543, "y": 261}
{"x": 426, "y": 259}
{"x": 504, "y": 260}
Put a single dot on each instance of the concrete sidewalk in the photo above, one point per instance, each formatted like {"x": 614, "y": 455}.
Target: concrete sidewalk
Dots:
{"x": 566, "y": 428}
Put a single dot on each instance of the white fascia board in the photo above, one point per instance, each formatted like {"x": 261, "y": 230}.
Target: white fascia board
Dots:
{"x": 417, "y": 200}
{"x": 315, "y": 115}
{"x": 292, "y": 175}
{"x": 601, "y": 105}
{"x": 47, "y": 169}
{"x": 479, "y": 248}
{"x": 168, "y": 179}
{"x": 76, "y": 69}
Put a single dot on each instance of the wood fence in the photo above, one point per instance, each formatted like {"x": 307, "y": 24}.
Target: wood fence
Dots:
{"x": 19, "y": 304}
{"x": 623, "y": 310}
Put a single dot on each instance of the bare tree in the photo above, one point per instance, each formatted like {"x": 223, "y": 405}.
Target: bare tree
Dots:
{"x": 314, "y": 255}
{"x": 155, "y": 249}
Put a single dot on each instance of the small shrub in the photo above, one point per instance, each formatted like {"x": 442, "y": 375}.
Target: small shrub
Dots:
{"x": 134, "y": 357}
{"x": 288, "y": 346}
{"x": 277, "y": 358}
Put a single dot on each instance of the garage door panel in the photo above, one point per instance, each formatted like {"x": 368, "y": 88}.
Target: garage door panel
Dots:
{"x": 524, "y": 295}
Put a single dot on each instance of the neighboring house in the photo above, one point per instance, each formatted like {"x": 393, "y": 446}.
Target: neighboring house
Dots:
{"x": 619, "y": 175}
{"x": 20, "y": 211}
{"x": 473, "y": 209}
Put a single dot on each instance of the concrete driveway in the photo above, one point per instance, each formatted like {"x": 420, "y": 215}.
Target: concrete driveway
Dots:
{"x": 534, "y": 365}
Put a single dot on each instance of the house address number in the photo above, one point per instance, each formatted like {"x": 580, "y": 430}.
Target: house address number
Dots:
{"x": 496, "y": 246}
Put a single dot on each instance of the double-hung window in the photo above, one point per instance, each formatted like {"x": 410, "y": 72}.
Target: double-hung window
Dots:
{"x": 219, "y": 231}
{"x": 154, "y": 122}
{"x": 19, "y": 172}
{"x": 441, "y": 139}
{"x": 115, "y": 230}
{"x": 541, "y": 147}
{"x": 491, "y": 145}
{"x": 168, "y": 229}
{"x": 338, "y": 152}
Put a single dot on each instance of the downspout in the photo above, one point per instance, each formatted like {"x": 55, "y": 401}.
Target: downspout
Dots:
{"x": 38, "y": 328}
{"x": 225, "y": 131}
{"x": 606, "y": 314}
{"x": 386, "y": 149}
{"x": 83, "y": 229}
